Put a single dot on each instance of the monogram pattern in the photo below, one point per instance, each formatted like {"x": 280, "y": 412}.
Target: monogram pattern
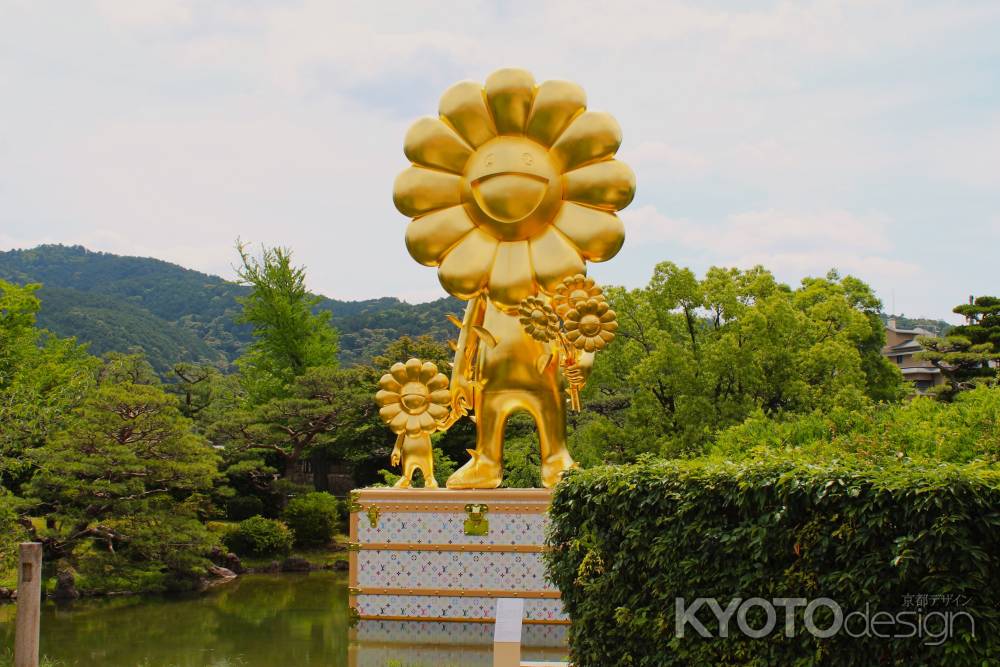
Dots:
{"x": 462, "y": 570}
{"x": 449, "y": 528}
{"x": 469, "y": 634}
{"x": 428, "y": 606}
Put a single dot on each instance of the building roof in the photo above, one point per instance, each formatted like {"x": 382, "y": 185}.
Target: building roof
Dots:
{"x": 905, "y": 346}
{"x": 916, "y": 332}
{"x": 920, "y": 370}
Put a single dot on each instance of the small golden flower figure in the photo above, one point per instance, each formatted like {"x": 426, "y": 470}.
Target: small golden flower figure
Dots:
{"x": 591, "y": 325}
{"x": 538, "y": 319}
{"x": 573, "y": 291}
{"x": 414, "y": 399}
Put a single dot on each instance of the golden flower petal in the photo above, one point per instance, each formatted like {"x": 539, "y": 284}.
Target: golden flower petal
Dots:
{"x": 557, "y": 103}
{"x": 431, "y": 143}
{"x": 510, "y": 93}
{"x": 609, "y": 184}
{"x": 414, "y": 426}
{"x": 592, "y": 136}
{"x": 553, "y": 258}
{"x": 418, "y": 191}
{"x": 464, "y": 107}
{"x": 398, "y": 423}
{"x": 599, "y": 235}
{"x": 383, "y": 397}
{"x": 439, "y": 381}
{"x": 464, "y": 270}
{"x": 427, "y": 372}
{"x": 398, "y": 371}
{"x": 440, "y": 397}
{"x": 388, "y": 383}
{"x": 389, "y": 412}
{"x": 437, "y": 411}
{"x": 413, "y": 368}
{"x": 430, "y": 237}
{"x": 427, "y": 422}
{"x": 512, "y": 278}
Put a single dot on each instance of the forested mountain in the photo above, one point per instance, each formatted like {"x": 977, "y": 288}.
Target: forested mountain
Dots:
{"x": 176, "y": 314}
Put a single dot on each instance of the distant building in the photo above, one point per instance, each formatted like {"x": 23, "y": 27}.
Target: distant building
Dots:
{"x": 901, "y": 346}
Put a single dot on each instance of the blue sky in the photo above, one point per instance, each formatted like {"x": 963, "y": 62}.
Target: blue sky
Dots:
{"x": 802, "y": 135}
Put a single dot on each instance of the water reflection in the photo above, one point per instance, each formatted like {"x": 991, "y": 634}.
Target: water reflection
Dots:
{"x": 260, "y": 621}
{"x": 257, "y": 621}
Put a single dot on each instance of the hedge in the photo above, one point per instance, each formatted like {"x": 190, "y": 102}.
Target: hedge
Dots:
{"x": 627, "y": 542}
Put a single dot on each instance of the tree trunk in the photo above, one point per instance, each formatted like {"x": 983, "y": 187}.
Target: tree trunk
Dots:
{"x": 321, "y": 472}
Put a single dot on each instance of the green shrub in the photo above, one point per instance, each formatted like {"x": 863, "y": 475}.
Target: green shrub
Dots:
{"x": 628, "y": 541}
{"x": 239, "y": 508}
{"x": 258, "y": 536}
{"x": 313, "y": 518}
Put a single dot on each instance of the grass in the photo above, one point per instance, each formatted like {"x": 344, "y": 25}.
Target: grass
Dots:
{"x": 7, "y": 660}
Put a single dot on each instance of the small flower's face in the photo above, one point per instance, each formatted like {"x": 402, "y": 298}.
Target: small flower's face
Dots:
{"x": 574, "y": 291}
{"x": 513, "y": 188}
{"x": 414, "y": 397}
{"x": 591, "y": 325}
{"x": 538, "y": 319}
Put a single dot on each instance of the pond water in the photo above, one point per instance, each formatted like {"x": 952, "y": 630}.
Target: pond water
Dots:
{"x": 260, "y": 620}
{"x": 255, "y": 621}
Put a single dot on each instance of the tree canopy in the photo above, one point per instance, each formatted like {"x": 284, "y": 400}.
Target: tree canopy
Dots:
{"x": 42, "y": 377}
{"x": 696, "y": 356}
{"x": 122, "y": 482}
{"x": 289, "y": 337}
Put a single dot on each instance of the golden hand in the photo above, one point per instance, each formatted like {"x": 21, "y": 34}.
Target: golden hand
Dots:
{"x": 396, "y": 452}
{"x": 575, "y": 374}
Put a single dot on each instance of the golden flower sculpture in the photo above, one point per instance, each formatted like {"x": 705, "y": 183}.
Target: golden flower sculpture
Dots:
{"x": 574, "y": 290}
{"x": 538, "y": 319}
{"x": 413, "y": 397}
{"x": 513, "y": 187}
{"x": 591, "y": 325}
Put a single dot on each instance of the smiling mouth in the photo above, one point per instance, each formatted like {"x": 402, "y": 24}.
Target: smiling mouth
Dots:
{"x": 509, "y": 196}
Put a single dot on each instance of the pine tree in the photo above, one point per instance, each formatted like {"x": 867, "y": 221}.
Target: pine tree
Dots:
{"x": 970, "y": 353}
{"x": 121, "y": 485}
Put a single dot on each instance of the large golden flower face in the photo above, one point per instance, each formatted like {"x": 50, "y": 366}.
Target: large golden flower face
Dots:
{"x": 513, "y": 187}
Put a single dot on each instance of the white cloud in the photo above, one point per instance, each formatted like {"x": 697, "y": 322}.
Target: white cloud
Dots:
{"x": 791, "y": 245}
{"x": 172, "y": 127}
{"x": 145, "y": 13}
